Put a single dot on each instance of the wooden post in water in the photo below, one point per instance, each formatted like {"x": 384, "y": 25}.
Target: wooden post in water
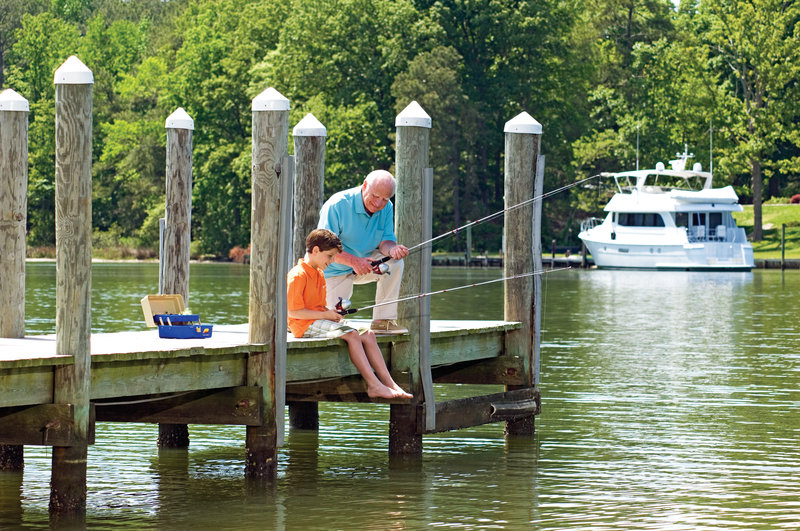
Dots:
{"x": 309, "y": 151}
{"x": 523, "y": 135}
{"x": 468, "y": 252}
{"x": 413, "y": 138}
{"x": 13, "y": 217}
{"x": 177, "y": 235}
{"x": 73, "y": 82}
{"x": 267, "y": 269}
{"x": 783, "y": 246}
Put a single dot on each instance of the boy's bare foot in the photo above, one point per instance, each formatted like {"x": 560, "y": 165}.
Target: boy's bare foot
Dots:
{"x": 380, "y": 391}
{"x": 400, "y": 392}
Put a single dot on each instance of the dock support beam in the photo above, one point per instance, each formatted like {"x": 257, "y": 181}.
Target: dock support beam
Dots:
{"x": 13, "y": 217}
{"x": 177, "y": 235}
{"x": 270, "y": 181}
{"x": 523, "y": 136}
{"x": 309, "y": 181}
{"x": 73, "y": 82}
{"x": 413, "y": 139}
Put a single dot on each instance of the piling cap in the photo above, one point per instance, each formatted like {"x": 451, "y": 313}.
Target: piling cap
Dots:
{"x": 309, "y": 126}
{"x": 12, "y": 101}
{"x": 73, "y": 72}
{"x": 523, "y": 123}
{"x": 270, "y": 100}
{"x": 414, "y": 116}
{"x": 179, "y": 119}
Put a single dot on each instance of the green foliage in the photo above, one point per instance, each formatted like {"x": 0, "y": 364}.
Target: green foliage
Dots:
{"x": 600, "y": 77}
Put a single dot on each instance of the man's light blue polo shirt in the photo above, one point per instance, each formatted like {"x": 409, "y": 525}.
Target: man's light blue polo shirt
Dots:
{"x": 361, "y": 233}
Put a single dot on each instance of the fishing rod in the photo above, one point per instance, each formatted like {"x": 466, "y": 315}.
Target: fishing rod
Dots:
{"x": 501, "y": 212}
{"x": 379, "y": 267}
{"x": 344, "y": 305}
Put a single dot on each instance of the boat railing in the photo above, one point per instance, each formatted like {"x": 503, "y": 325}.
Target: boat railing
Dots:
{"x": 720, "y": 233}
{"x": 590, "y": 223}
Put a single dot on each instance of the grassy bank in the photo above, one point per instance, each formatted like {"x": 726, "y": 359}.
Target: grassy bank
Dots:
{"x": 772, "y": 219}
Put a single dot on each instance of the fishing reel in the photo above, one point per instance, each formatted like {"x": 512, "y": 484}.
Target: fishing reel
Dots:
{"x": 343, "y": 307}
{"x": 379, "y": 267}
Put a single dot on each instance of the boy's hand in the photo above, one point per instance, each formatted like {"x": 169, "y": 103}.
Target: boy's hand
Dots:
{"x": 332, "y": 315}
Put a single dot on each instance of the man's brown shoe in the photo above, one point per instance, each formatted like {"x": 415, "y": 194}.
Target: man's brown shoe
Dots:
{"x": 387, "y": 327}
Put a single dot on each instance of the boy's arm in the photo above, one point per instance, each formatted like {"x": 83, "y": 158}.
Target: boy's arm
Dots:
{"x": 303, "y": 313}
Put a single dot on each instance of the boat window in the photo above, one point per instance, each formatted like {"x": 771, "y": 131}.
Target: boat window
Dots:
{"x": 698, "y": 218}
{"x": 681, "y": 219}
{"x": 626, "y": 183}
{"x": 674, "y": 182}
{"x": 714, "y": 219}
{"x": 637, "y": 219}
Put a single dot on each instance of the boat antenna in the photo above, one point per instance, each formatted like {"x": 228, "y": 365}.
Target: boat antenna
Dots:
{"x": 343, "y": 306}
{"x": 637, "y": 146}
{"x": 501, "y": 212}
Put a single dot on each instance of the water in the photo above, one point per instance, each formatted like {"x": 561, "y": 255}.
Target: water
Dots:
{"x": 670, "y": 401}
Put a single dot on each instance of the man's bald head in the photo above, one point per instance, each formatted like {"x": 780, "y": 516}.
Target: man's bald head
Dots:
{"x": 378, "y": 188}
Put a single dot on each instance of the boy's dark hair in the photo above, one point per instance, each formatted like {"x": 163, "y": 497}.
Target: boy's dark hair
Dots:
{"x": 324, "y": 239}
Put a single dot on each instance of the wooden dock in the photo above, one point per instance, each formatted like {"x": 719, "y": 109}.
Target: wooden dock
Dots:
{"x": 139, "y": 377}
{"x": 53, "y": 389}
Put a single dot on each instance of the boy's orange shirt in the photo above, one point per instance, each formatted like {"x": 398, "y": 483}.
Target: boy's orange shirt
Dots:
{"x": 305, "y": 290}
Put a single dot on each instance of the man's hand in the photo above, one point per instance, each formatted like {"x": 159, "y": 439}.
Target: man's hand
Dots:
{"x": 361, "y": 266}
{"x": 398, "y": 251}
{"x": 390, "y": 248}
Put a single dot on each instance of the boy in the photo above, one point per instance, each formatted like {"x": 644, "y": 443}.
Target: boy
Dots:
{"x": 309, "y": 317}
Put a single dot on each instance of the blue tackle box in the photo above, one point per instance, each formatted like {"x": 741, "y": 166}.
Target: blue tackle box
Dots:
{"x": 181, "y": 326}
{"x": 165, "y": 312}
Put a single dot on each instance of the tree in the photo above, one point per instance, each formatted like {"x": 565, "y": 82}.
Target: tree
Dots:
{"x": 220, "y": 41}
{"x": 346, "y": 72}
{"x": 43, "y": 43}
{"x": 11, "y": 12}
{"x": 515, "y": 58}
{"x": 433, "y": 79}
{"x": 756, "y": 45}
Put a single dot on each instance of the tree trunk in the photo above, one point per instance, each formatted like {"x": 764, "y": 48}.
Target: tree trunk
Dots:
{"x": 757, "y": 186}
{"x": 774, "y": 187}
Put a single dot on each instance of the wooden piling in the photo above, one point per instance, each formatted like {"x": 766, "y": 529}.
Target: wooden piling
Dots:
{"x": 13, "y": 211}
{"x": 270, "y": 143}
{"x": 177, "y": 232}
{"x": 309, "y": 151}
{"x": 177, "y": 235}
{"x": 13, "y": 217}
{"x": 413, "y": 137}
{"x": 523, "y": 135}
{"x": 73, "y": 144}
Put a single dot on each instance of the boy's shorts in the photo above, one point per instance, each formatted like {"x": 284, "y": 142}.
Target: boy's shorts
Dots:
{"x": 329, "y": 329}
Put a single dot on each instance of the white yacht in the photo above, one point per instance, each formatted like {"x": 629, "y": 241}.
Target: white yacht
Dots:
{"x": 669, "y": 219}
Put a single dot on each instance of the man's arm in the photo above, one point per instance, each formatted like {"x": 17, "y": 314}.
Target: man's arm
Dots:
{"x": 393, "y": 249}
{"x": 361, "y": 266}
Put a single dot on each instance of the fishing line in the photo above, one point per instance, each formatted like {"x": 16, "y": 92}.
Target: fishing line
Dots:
{"x": 344, "y": 305}
{"x": 500, "y": 213}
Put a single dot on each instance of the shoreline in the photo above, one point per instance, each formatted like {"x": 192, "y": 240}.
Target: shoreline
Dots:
{"x": 479, "y": 262}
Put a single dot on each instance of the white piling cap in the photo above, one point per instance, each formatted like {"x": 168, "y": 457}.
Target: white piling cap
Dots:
{"x": 270, "y": 100}
{"x": 12, "y": 101}
{"x": 413, "y": 115}
{"x": 179, "y": 119}
{"x": 523, "y": 123}
{"x": 309, "y": 126}
{"x": 73, "y": 72}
